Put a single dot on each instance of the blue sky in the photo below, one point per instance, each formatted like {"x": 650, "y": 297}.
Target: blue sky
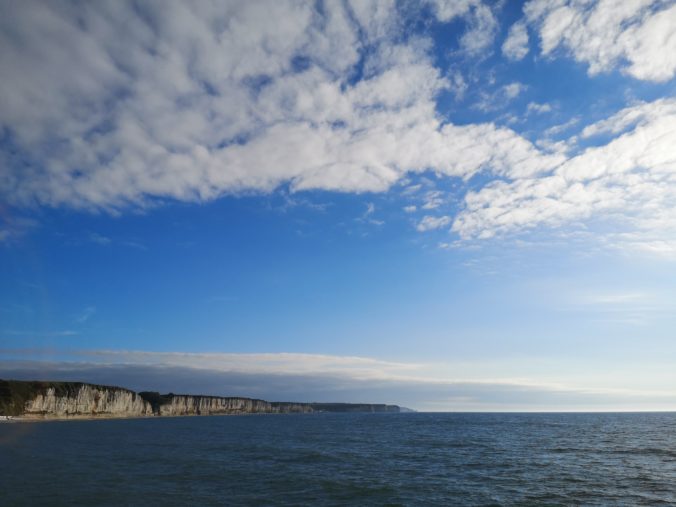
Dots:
{"x": 457, "y": 205}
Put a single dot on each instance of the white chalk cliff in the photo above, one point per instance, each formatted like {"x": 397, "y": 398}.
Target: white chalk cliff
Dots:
{"x": 62, "y": 400}
{"x": 88, "y": 400}
{"x": 203, "y": 405}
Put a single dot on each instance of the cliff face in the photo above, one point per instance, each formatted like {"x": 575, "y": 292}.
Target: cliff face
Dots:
{"x": 204, "y": 405}
{"x": 354, "y": 407}
{"x": 60, "y": 400}
{"x": 45, "y": 400}
{"x": 88, "y": 400}
{"x": 69, "y": 399}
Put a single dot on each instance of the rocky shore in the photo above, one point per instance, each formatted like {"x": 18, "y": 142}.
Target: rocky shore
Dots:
{"x": 36, "y": 400}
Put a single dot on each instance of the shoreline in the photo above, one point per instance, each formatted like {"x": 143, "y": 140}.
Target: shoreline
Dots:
{"x": 86, "y": 417}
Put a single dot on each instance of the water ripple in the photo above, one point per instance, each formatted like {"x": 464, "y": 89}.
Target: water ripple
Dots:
{"x": 344, "y": 459}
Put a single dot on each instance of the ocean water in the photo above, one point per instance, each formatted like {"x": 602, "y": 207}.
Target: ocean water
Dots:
{"x": 343, "y": 459}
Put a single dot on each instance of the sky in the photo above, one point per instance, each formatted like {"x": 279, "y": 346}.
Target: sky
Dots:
{"x": 456, "y": 205}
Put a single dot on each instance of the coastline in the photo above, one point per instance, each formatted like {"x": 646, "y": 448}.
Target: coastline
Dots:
{"x": 38, "y": 401}
{"x": 74, "y": 417}
{"x": 105, "y": 417}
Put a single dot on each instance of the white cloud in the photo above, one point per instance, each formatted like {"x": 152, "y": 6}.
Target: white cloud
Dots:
{"x": 481, "y": 22}
{"x": 85, "y": 315}
{"x": 41, "y": 333}
{"x": 501, "y": 97}
{"x": 89, "y": 94}
{"x": 265, "y": 363}
{"x": 638, "y": 36}
{"x": 107, "y": 105}
{"x": 447, "y": 10}
{"x": 515, "y": 46}
{"x": 429, "y": 223}
{"x": 483, "y": 27}
{"x": 636, "y": 307}
{"x": 99, "y": 239}
{"x": 457, "y": 85}
{"x": 628, "y": 182}
{"x": 513, "y": 90}
{"x": 410, "y": 209}
{"x": 534, "y": 107}
{"x": 651, "y": 47}
{"x": 411, "y": 189}
{"x": 433, "y": 199}
{"x": 558, "y": 129}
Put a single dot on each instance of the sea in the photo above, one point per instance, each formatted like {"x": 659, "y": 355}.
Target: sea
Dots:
{"x": 343, "y": 459}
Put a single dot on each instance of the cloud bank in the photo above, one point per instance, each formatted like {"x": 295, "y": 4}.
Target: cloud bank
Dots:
{"x": 308, "y": 377}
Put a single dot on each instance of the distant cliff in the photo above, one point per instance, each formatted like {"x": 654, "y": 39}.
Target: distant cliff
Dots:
{"x": 61, "y": 400}
{"x": 354, "y": 407}
{"x": 181, "y": 404}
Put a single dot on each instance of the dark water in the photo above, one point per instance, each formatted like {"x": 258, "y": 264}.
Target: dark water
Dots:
{"x": 343, "y": 459}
